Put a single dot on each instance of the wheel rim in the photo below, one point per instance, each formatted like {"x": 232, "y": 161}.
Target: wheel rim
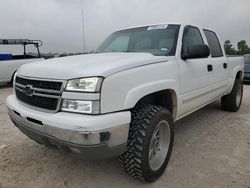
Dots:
{"x": 159, "y": 145}
{"x": 238, "y": 96}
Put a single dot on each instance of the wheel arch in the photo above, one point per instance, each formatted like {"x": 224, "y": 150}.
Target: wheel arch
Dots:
{"x": 239, "y": 75}
{"x": 166, "y": 98}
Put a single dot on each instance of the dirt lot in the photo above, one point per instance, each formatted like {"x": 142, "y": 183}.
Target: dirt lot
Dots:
{"x": 212, "y": 149}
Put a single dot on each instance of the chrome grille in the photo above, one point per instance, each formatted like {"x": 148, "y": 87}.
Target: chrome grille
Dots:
{"x": 50, "y": 85}
{"x": 41, "y": 94}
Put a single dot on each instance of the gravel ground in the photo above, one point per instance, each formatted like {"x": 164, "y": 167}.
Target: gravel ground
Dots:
{"x": 212, "y": 149}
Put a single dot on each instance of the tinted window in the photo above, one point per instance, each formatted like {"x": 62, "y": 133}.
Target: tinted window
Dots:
{"x": 153, "y": 39}
{"x": 118, "y": 45}
{"x": 213, "y": 43}
{"x": 247, "y": 59}
{"x": 191, "y": 37}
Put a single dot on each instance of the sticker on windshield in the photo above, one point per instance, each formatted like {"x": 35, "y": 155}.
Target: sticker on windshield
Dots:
{"x": 155, "y": 27}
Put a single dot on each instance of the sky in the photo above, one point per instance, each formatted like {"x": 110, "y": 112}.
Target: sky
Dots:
{"x": 58, "y": 23}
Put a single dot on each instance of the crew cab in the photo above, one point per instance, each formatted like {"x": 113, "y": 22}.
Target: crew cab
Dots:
{"x": 123, "y": 99}
{"x": 9, "y": 63}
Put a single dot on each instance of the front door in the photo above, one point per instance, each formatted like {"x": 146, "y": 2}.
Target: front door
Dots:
{"x": 195, "y": 74}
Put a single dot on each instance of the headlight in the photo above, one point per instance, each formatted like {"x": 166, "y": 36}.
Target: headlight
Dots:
{"x": 85, "y": 84}
{"x": 79, "y": 106}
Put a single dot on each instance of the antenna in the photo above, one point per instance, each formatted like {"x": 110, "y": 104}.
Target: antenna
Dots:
{"x": 83, "y": 33}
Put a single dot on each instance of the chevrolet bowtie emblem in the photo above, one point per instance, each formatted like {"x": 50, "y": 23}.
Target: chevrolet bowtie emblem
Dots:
{"x": 28, "y": 90}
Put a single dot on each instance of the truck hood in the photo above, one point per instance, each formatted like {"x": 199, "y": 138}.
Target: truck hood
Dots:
{"x": 103, "y": 64}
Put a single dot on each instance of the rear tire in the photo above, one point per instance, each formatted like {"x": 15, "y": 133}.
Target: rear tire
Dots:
{"x": 150, "y": 143}
{"x": 232, "y": 101}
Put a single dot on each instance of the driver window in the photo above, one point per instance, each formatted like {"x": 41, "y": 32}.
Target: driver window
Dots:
{"x": 191, "y": 36}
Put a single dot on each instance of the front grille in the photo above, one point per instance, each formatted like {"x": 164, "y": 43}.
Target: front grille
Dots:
{"x": 40, "y": 102}
{"x": 50, "y": 85}
{"x": 39, "y": 93}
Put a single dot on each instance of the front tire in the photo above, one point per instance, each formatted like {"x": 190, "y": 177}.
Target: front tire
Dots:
{"x": 232, "y": 101}
{"x": 150, "y": 143}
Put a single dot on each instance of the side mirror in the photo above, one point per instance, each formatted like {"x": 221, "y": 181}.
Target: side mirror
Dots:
{"x": 196, "y": 51}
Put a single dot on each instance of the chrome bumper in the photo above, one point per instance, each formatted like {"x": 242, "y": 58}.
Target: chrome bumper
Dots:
{"x": 106, "y": 132}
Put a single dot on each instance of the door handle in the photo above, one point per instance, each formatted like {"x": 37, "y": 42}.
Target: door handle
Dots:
{"x": 209, "y": 68}
{"x": 224, "y": 65}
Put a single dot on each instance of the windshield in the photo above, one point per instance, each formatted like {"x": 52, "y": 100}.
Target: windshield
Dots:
{"x": 247, "y": 59}
{"x": 158, "y": 40}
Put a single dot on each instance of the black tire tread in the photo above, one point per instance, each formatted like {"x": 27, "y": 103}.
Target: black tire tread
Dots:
{"x": 228, "y": 102}
{"x": 131, "y": 160}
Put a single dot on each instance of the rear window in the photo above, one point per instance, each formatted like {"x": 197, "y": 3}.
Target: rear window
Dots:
{"x": 214, "y": 44}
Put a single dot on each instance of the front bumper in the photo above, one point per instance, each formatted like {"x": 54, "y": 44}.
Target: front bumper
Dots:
{"x": 92, "y": 136}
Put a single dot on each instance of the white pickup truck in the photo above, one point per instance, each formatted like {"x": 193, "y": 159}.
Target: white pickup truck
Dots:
{"x": 9, "y": 63}
{"x": 123, "y": 99}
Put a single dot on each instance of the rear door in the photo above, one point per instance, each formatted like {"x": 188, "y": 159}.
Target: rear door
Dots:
{"x": 220, "y": 73}
{"x": 195, "y": 85}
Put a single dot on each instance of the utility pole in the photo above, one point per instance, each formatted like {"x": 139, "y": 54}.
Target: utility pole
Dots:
{"x": 83, "y": 33}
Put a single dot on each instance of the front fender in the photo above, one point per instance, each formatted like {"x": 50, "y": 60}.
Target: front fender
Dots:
{"x": 122, "y": 90}
{"x": 135, "y": 94}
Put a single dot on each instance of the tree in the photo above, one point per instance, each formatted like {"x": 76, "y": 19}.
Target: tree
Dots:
{"x": 243, "y": 47}
{"x": 229, "y": 48}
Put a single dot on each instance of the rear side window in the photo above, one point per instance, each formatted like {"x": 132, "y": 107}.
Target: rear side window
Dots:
{"x": 214, "y": 44}
{"x": 191, "y": 37}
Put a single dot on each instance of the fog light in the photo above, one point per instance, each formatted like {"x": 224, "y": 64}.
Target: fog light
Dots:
{"x": 78, "y": 106}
